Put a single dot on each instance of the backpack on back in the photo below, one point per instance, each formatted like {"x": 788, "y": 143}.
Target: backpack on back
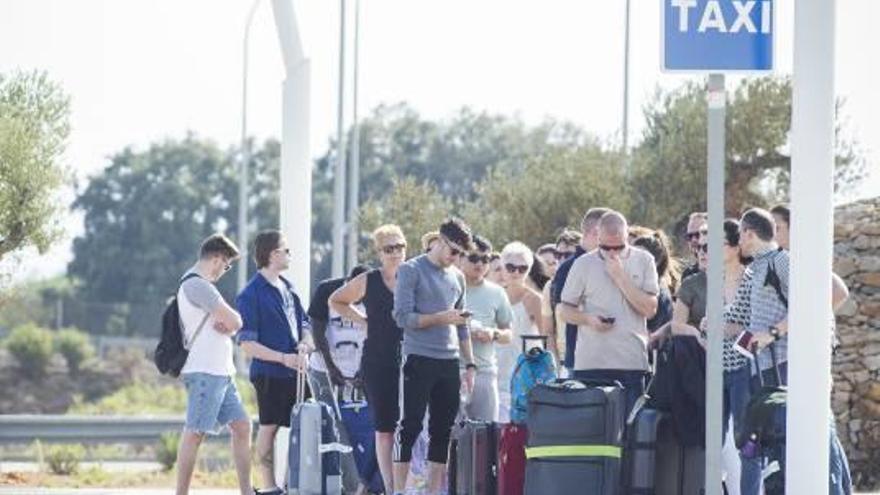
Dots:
{"x": 171, "y": 353}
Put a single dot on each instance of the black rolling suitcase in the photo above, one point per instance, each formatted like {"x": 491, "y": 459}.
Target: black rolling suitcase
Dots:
{"x": 640, "y": 458}
{"x": 473, "y": 459}
{"x": 575, "y": 438}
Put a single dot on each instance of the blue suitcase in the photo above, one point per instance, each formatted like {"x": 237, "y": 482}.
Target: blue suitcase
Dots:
{"x": 357, "y": 419}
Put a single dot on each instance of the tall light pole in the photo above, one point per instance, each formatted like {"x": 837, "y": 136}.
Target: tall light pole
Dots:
{"x": 245, "y": 155}
{"x": 339, "y": 179}
{"x": 624, "y": 127}
{"x": 355, "y": 163}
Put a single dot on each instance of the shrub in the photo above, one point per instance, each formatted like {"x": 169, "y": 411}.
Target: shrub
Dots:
{"x": 138, "y": 398}
{"x": 31, "y": 346}
{"x": 75, "y": 346}
{"x": 64, "y": 459}
{"x": 166, "y": 452}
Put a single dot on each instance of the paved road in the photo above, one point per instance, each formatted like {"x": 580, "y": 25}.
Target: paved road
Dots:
{"x": 106, "y": 491}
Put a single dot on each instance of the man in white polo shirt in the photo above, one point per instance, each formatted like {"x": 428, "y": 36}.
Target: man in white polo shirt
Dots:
{"x": 610, "y": 293}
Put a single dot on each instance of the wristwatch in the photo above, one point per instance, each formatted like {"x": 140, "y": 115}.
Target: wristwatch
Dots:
{"x": 494, "y": 334}
{"x": 774, "y": 332}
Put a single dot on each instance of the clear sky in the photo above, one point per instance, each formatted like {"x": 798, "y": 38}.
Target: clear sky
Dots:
{"x": 143, "y": 70}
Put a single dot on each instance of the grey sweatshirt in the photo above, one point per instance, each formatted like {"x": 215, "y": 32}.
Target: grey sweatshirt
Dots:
{"x": 424, "y": 288}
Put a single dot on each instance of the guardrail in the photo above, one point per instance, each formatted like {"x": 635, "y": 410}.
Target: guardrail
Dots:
{"x": 26, "y": 428}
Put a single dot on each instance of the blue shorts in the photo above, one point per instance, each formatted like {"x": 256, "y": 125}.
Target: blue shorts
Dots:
{"x": 212, "y": 402}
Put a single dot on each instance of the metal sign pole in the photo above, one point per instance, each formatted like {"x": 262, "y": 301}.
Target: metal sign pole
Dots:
{"x": 716, "y": 99}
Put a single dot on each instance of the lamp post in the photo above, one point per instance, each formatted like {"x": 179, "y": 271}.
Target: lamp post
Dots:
{"x": 245, "y": 156}
{"x": 355, "y": 160}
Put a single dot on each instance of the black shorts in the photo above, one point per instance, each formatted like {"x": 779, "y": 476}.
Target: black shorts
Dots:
{"x": 382, "y": 383}
{"x": 275, "y": 398}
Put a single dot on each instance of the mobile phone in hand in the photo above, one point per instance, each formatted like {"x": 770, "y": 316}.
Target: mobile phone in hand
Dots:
{"x": 607, "y": 319}
{"x": 744, "y": 343}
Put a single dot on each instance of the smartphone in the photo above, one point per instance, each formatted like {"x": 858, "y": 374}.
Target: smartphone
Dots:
{"x": 607, "y": 319}
{"x": 743, "y": 344}
{"x": 466, "y": 314}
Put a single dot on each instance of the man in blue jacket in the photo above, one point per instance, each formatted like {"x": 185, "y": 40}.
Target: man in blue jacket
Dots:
{"x": 277, "y": 336}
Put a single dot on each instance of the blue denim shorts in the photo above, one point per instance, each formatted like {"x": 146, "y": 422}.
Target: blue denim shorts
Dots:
{"x": 212, "y": 402}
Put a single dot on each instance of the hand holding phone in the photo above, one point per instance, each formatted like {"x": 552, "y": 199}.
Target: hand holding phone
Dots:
{"x": 744, "y": 343}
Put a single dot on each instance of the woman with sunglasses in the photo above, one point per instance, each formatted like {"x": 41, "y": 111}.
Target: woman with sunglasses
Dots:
{"x": 689, "y": 316}
{"x": 380, "y": 364}
{"x": 517, "y": 259}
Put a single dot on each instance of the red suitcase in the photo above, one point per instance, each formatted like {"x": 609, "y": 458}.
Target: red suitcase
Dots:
{"x": 512, "y": 459}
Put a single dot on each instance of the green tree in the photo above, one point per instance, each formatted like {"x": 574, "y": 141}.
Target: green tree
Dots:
{"x": 34, "y": 126}
{"x": 75, "y": 346}
{"x": 669, "y": 177}
{"x": 145, "y": 216}
{"x": 416, "y": 207}
{"x": 31, "y": 346}
{"x": 550, "y": 193}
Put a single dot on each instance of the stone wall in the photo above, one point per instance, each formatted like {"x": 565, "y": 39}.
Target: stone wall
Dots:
{"x": 856, "y": 396}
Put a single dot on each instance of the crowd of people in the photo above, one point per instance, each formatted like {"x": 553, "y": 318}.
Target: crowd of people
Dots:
{"x": 440, "y": 331}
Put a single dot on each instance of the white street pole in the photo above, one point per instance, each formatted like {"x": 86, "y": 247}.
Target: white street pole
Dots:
{"x": 354, "y": 179}
{"x": 809, "y": 316}
{"x": 339, "y": 179}
{"x": 717, "y": 108}
{"x": 296, "y": 172}
{"x": 625, "y": 124}
{"x": 245, "y": 157}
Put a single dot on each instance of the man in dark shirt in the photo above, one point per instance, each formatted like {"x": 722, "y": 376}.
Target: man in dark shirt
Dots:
{"x": 589, "y": 242}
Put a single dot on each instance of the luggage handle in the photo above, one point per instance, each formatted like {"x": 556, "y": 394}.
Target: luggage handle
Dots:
{"x": 592, "y": 382}
{"x": 527, "y": 338}
{"x": 301, "y": 383}
{"x": 773, "y": 359}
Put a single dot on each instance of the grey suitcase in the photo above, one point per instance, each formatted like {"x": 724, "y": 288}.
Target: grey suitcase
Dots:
{"x": 679, "y": 470}
{"x": 314, "y": 461}
{"x": 575, "y": 439}
{"x": 640, "y": 458}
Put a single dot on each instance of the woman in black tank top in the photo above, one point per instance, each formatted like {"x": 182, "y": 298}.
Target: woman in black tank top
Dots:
{"x": 380, "y": 364}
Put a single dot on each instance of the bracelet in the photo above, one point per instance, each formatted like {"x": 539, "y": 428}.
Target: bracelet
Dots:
{"x": 470, "y": 366}
{"x": 494, "y": 335}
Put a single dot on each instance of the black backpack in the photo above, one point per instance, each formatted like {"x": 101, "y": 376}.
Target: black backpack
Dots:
{"x": 171, "y": 353}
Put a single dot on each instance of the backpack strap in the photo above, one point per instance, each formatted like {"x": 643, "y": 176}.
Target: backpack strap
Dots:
{"x": 188, "y": 345}
{"x": 772, "y": 279}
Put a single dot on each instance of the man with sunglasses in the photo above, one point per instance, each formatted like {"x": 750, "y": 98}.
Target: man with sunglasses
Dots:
{"x": 589, "y": 241}
{"x": 610, "y": 294}
{"x": 490, "y": 324}
{"x": 212, "y": 399}
{"x": 429, "y": 304}
{"x": 277, "y": 336}
{"x": 696, "y": 235}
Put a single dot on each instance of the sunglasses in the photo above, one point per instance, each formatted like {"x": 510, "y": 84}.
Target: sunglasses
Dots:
{"x": 285, "y": 250}
{"x": 704, "y": 248}
{"x": 393, "y": 248}
{"x": 227, "y": 267}
{"x": 453, "y": 249}
{"x": 511, "y": 268}
{"x": 563, "y": 255}
{"x": 692, "y": 236}
{"x": 604, "y": 247}
{"x": 478, "y": 258}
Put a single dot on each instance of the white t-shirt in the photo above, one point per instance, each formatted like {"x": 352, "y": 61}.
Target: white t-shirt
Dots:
{"x": 211, "y": 351}
{"x": 346, "y": 341}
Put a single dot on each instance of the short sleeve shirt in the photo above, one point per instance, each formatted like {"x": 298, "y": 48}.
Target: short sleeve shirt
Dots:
{"x": 489, "y": 304}
{"x": 210, "y": 351}
{"x": 590, "y": 288}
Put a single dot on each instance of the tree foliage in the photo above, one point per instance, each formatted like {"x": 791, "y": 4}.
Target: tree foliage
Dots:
{"x": 670, "y": 161}
{"x": 145, "y": 217}
{"x": 34, "y": 125}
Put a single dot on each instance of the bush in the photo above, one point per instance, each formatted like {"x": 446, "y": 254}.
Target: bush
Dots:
{"x": 65, "y": 459}
{"x": 75, "y": 346}
{"x": 166, "y": 452}
{"x": 31, "y": 346}
{"x": 138, "y": 398}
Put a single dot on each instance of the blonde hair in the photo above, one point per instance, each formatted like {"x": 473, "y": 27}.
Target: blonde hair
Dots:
{"x": 429, "y": 239}
{"x": 384, "y": 232}
{"x": 517, "y": 248}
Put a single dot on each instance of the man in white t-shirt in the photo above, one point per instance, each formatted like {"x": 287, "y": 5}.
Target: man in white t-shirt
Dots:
{"x": 212, "y": 400}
